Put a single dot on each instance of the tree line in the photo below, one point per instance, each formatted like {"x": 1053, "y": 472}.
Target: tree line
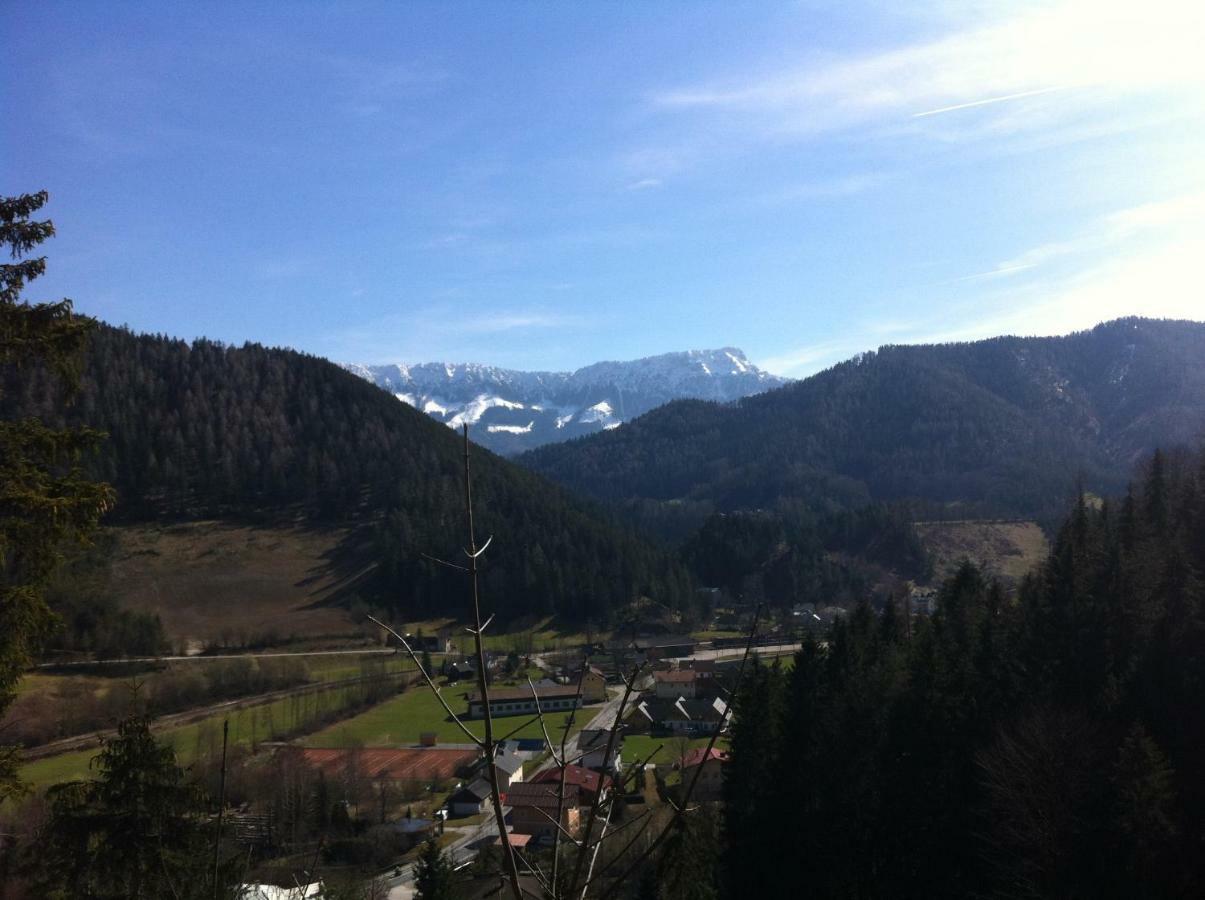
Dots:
{"x": 203, "y": 429}
{"x": 1049, "y": 746}
{"x": 1002, "y": 427}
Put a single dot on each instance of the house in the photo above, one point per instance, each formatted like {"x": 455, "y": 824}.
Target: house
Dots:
{"x": 683, "y": 716}
{"x": 656, "y": 646}
{"x": 594, "y": 684}
{"x": 510, "y": 770}
{"x": 585, "y": 781}
{"x": 592, "y": 744}
{"x": 518, "y": 701}
{"x": 534, "y": 809}
{"x": 703, "y": 668}
{"x": 710, "y": 768}
{"x": 668, "y": 646}
{"x": 674, "y": 684}
{"x": 472, "y": 799}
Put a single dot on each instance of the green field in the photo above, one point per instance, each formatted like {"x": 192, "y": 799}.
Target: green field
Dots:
{"x": 638, "y": 746}
{"x": 402, "y": 719}
{"x": 253, "y": 724}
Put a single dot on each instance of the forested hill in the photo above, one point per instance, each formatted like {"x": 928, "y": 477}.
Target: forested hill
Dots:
{"x": 1002, "y": 426}
{"x": 209, "y": 430}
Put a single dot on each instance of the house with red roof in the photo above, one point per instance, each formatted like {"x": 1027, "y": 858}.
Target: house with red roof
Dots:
{"x": 585, "y": 781}
{"x": 709, "y": 766}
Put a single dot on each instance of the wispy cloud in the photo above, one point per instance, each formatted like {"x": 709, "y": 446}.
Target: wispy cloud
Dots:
{"x": 644, "y": 184}
{"x": 1142, "y": 260}
{"x": 1029, "y": 59}
{"x": 986, "y": 102}
{"x": 451, "y": 332}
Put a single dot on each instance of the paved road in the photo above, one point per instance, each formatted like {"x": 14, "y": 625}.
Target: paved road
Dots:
{"x": 738, "y": 652}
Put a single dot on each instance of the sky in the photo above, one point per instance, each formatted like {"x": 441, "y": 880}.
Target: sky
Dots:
{"x": 541, "y": 186}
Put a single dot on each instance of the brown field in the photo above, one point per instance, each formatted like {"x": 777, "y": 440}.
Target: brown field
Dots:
{"x": 233, "y": 584}
{"x": 1007, "y": 550}
{"x": 409, "y": 764}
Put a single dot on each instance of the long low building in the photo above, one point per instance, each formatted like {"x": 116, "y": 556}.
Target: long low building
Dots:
{"x": 518, "y": 701}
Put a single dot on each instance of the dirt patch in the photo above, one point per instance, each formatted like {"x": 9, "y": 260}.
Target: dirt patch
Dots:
{"x": 234, "y": 584}
{"x": 1007, "y": 550}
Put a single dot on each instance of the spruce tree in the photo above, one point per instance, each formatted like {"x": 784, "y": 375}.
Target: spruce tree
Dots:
{"x": 433, "y": 874}
{"x": 45, "y": 501}
{"x": 132, "y": 833}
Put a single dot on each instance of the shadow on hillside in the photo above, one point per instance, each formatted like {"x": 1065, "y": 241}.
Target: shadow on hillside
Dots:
{"x": 345, "y": 573}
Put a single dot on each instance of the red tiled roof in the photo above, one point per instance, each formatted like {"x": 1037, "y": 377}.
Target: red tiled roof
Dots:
{"x": 578, "y": 776}
{"x": 540, "y": 795}
{"x": 678, "y": 677}
{"x": 700, "y": 754}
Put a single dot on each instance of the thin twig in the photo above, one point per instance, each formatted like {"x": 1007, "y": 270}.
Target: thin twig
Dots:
{"x": 430, "y": 683}
{"x": 474, "y": 554}
{"x": 598, "y": 796}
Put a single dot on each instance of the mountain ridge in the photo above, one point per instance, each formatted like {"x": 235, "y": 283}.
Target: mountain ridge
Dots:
{"x": 518, "y": 410}
{"x": 1005, "y": 425}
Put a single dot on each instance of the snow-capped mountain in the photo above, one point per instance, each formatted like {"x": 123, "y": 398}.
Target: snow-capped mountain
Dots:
{"x": 513, "y": 411}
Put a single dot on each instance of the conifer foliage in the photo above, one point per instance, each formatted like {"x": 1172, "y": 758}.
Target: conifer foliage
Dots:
{"x": 1048, "y": 746}
{"x": 132, "y": 833}
{"x": 209, "y": 430}
{"x": 45, "y": 499}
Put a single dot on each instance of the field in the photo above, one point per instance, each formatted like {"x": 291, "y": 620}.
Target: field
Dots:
{"x": 248, "y": 726}
{"x": 1008, "y": 550}
{"x": 637, "y": 747}
{"x": 215, "y": 581}
{"x": 399, "y": 721}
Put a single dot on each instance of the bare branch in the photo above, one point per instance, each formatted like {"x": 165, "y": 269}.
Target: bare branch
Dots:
{"x": 627, "y": 693}
{"x": 543, "y": 725}
{"x": 508, "y": 852}
{"x": 678, "y": 813}
{"x": 484, "y": 547}
{"x": 444, "y": 562}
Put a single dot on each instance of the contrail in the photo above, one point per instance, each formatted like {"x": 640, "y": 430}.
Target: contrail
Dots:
{"x": 946, "y": 109}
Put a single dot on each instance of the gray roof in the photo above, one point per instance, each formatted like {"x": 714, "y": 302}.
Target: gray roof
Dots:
{"x": 480, "y": 789}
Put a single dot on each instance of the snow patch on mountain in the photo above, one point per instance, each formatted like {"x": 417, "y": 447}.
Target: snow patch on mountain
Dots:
{"x": 516, "y": 410}
{"x": 511, "y": 429}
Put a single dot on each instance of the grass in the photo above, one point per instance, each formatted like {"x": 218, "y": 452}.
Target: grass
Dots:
{"x": 717, "y": 633}
{"x": 638, "y": 746}
{"x": 248, "y": 725}
{"x": 400, "y": 721}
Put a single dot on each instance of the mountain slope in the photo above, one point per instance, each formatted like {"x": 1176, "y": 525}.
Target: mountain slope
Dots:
{"x": 250, "y": 433}
{"x": 1003, "y": 426}
{"x": 516, "y": 411}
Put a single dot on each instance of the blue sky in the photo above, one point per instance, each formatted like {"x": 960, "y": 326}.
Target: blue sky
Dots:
{"x": 541, "y": 185}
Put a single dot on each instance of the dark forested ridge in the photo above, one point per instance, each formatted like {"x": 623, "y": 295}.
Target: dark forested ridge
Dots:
{"x": 204, "y": 429}
{"x": 1006, "y": 426}
{"x": 1049, "y": 746}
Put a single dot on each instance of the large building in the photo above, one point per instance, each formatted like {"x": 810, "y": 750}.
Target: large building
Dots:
{"x": 518, "y": 701}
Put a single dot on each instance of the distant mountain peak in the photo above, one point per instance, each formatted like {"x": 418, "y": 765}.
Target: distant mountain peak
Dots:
{"x": 521, "y": 410}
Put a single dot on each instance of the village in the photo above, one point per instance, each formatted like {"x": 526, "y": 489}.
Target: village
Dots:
{"x": 672, "y": 734}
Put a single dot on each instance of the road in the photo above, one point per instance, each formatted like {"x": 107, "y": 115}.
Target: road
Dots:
{"x": 273, "y": 654}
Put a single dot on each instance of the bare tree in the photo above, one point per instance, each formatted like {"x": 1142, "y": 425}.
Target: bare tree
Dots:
{"x": 630, "y": 838}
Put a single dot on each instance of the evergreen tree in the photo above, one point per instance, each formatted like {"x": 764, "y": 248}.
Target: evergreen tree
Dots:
{"x": 131, "y": 833}
{"x": 433, "y": 874}
{"x": 45, "y": 501}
